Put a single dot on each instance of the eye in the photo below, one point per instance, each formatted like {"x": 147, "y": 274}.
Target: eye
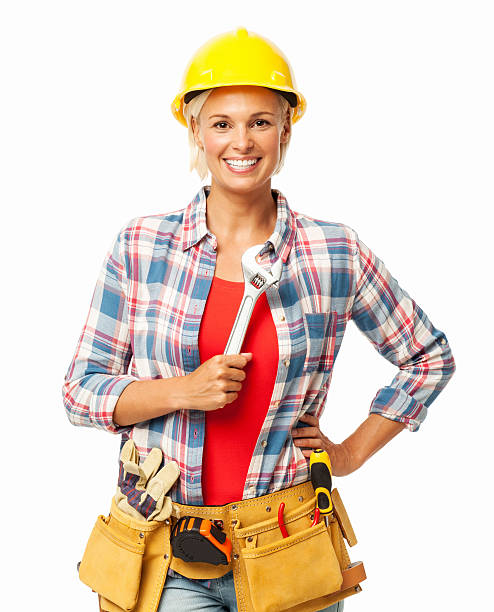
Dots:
{"x": 262, "y": 122}
{"x": 221, "y": 124}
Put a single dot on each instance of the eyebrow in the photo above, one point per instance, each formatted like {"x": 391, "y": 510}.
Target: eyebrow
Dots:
{"x": 253, "y": 115}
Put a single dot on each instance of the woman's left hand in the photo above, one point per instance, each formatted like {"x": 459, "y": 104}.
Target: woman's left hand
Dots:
{"x": 310, "y": 438}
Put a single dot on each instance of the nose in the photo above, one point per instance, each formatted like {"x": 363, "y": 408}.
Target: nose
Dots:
{"x": 242, "y": 139}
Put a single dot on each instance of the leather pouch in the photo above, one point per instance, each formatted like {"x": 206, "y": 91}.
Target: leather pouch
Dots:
{"x": 282, "y": 573}
{"x": 291, "y": 570}
{"x": 112, "y": 563}
{"x": 126, "y": 561}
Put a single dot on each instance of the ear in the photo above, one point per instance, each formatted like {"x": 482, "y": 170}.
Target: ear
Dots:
{"x": 195, "y": 131}
{"x": 286, "y": 129}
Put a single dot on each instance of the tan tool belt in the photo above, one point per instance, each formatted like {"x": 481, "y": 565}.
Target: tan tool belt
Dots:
{"x": 304, "y": 572}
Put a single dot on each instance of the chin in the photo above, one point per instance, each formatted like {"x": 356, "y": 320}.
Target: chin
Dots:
{"x": 243, "y": 185}
{"x": 240, "y": 184}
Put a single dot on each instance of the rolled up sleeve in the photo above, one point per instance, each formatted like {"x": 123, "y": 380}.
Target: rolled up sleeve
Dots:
{"x": 97, "y": 374}
{"x": 402, "y": 333}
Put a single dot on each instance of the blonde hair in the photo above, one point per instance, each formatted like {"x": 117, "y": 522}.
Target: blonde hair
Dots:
{"x": 197, "y": 155}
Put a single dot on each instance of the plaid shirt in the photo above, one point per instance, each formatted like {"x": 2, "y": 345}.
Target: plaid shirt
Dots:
{"x": 146, "y": 311}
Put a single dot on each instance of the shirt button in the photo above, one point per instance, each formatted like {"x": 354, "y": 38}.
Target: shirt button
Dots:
{"x": 264, "y": 443}
{"x": 443, "y": 341}
{"x": 286, "y": 362}
{"x": 282, "y": 318}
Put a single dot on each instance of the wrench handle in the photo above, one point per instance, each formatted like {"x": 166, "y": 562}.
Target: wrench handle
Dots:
{"x": 239, "y": 328}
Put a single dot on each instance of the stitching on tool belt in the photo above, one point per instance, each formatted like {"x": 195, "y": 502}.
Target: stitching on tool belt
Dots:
{"x": 284, "y": 544}
{"x": 260, "y": 501}
{"x": 255, "y": 501}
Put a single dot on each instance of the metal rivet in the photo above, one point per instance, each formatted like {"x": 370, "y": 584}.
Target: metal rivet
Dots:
{"x": 235, "y": 556}
{"x": 249, "y": 539}
{"x": 234, "y": 521}
{"x": 300, "y": 499}
{"x": 141, "y": 535}
{"x": 311, "y": 517}
{"x": 268, "y": 508}
{"x": 166, "y": 556}
{"x": 234, "y": 507}
{"x": 167, "y": 521}
{"x": 358, "y": 589}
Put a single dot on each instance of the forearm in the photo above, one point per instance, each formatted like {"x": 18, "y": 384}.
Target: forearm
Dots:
{"x": 143, "y": 400}
{"x": 374, "y": 433}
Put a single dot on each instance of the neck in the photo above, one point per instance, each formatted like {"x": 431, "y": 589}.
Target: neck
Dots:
{"x": 241, "y": 217}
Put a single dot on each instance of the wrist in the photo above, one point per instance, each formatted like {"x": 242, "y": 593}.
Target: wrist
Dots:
{"x": 369, "y": 437}
{"x": 353, "y": 458}
{"x": 176, "y": 393}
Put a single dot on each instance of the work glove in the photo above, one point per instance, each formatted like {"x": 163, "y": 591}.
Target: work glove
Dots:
{"x": 141, "y": 490}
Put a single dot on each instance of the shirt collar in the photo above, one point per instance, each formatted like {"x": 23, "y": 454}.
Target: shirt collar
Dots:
{"x": 282, "y": 238}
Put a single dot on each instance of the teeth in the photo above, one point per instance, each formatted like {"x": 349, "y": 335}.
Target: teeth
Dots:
{"x": 240, "y": 163}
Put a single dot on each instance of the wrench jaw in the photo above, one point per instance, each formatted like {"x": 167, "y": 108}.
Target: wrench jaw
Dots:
{"x": 256, "y": 274}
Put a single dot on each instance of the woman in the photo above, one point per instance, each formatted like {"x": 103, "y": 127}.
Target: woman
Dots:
{"x": 150, "y": 363}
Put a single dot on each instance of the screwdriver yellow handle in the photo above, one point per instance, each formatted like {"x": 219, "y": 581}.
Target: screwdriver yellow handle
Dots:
{"x": 320, "y": 475}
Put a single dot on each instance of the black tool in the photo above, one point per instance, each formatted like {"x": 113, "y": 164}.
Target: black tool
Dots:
{"x": 195, "y": 539}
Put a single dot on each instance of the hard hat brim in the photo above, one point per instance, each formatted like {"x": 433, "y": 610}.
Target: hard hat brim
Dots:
{"x": 288, "y": 95}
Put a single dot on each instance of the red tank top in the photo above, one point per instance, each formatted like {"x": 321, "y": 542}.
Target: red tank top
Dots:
{"x": 232, "y": 431}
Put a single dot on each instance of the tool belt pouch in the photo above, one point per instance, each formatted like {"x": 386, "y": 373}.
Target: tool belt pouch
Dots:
{"x": 125, "y": 561}
{"x": 284, "y": 573}
{"x": 112, "y": 563}
{"x": 290, "y": 571}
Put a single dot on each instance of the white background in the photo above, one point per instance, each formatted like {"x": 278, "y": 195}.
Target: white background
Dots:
{"x": 397, "y": 142}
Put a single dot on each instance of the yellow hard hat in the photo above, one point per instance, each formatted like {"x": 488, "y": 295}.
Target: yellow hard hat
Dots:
{"x": 238, "y": 58}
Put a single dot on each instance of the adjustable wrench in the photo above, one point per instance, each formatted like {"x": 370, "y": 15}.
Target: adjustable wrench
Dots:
{"x": 256, "y": 281}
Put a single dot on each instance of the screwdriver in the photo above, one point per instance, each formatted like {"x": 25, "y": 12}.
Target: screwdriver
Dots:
{"x": 320, "y": 475}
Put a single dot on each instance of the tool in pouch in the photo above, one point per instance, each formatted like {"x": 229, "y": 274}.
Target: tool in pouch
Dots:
{"x": 320, "y": 475}
{"x": 194, "y": 539}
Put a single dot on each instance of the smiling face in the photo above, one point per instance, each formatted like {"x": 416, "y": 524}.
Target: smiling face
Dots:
{"x": 240, "y": 129}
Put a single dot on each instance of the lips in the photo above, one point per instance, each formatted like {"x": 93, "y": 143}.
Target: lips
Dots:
{"x": 242, "y": 169}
